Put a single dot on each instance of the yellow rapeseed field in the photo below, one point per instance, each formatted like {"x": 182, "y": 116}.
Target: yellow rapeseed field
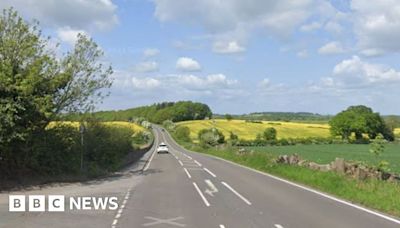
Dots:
{"x": 397, "y": 132}
{"x": 135, "y": 127}
{"x": 246, "y": 130}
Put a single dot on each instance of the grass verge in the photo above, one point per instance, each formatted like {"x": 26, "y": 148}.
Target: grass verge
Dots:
{"x": 379, "y": 195}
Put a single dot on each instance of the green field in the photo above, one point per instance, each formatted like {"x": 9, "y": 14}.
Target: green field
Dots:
{"x": 326, "y": 153}
{"x": 249, "y": 131}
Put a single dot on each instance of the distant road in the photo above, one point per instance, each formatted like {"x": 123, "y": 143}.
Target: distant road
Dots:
{"x": 186, "y": 189}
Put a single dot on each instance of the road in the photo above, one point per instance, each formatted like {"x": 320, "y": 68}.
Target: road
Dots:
{"x": 187, "y": 189}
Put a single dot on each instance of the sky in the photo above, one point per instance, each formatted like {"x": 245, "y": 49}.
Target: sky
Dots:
{"x": 237, "y": 56}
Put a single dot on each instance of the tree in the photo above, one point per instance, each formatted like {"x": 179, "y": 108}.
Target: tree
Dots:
{"x": 36, "y": 85}
{"x": 359, "y": 120}
{"x": 269, "y": 134}
{"x": 211, "y": 137}
{"x": 228, "y": 117}
{"x": 183, "y": 133}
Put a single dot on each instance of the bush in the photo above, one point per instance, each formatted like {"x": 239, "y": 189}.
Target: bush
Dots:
{"x": 183, "y": 133}
{"x": 141, "y": 138}
{"x": 269, "y": 134}
{"x": 169, "y": 125}
{"x": 211, "y": 137}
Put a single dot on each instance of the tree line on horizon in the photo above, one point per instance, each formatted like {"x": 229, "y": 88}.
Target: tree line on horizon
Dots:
{"x": 155, "y": 113}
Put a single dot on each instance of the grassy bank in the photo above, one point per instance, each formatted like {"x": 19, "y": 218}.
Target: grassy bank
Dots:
{"x": 379, "y": 195}
{"x": 324, "y": 154}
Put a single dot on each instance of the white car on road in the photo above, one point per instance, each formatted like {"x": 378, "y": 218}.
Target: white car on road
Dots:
{"x": 162, "y": 148}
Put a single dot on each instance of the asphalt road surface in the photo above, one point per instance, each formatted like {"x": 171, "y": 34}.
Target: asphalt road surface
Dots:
{"x": 187, "y": 189}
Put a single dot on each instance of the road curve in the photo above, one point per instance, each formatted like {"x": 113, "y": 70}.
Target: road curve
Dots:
{"x": 188, "y": 189}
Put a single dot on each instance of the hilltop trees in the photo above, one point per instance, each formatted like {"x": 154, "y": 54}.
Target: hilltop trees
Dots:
{"x": 359, "y": 120}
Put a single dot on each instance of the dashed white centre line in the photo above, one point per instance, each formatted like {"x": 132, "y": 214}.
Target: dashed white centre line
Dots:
{"x": 209, "y": 172}
{"x": 121, "y": 209}
{"x": 221, "y": 226}
{"x": 237, "y": 193}
{"x": 201, "y": 195}
{"x": 278, "y": 226}
{"x": 187, "y": 173}
{"x": 180, "y": 162}
{"x": 198, "y": 163}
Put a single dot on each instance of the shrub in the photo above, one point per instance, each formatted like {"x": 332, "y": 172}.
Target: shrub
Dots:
{"x": 169, "y": 125}
{"x": 183, "y": 133}
{"x": 211, "y": 137}
{"x": 269, "y": 134}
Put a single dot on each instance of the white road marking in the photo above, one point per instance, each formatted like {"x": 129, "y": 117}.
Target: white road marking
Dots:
{"x": 278, "y": 226}
{"x": 198, "y": 163}
{"x": 157, "y": 221}
{"x": 306, "y": 189}
{"x": 237, "y": 193}
{"x": 180, "y": 162}
{"x": 212, "y": 188}
{"x": 121, "y": 209}
{"x": 221, "y": 226}
{"x": 148, "y": 163}
{"x": 187, "y": 173}
{"x": 201, "y": 195}
{"x": 209, "y": 172}
{"x": 187, "y": 156}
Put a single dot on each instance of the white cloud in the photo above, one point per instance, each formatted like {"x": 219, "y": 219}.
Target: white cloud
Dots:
{"x": 302, "y": 54}
{"x": 331, "y": 48}
{"x": 187, "y": 64}
{"x": 237, "y": 19}
{"x": 151, "y": 52}
{"x": 227, "y": 47}
{"x": 77, "y": 14}
{"x": 145, "y": 83}
{"x": 265, "y": 83}
{"x": 68, "y": 35}
{"x": 377, "y": 26}
{"x": 355, "y": 71}
{"x": 311, "y": 26}
{"x": 148, "y": 66}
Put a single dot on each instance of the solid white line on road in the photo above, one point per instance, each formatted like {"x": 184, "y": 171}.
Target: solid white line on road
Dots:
{"x": 201, "y": 195}
{"x": 209, "y": 172}
{"x": 198, "y": 163}
{"x": 221, "y": 226}
{"x": 236, "y": 193}
{"x": 306, "y": 189}
{"x": 187, "y": 173}
{"x": 148, "y": 163}
{"x": 180, "y": 162}
{"x": 278, "y": 226}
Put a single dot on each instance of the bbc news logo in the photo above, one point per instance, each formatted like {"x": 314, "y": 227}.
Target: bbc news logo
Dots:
{"x": 58, "y": 203}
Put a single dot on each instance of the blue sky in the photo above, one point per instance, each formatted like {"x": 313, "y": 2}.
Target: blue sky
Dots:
{"x": 238, "y": 56}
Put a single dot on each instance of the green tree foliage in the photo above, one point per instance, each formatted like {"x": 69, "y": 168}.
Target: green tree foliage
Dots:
{"x": 377, "y": 147}
{"x": 269, "y": 134}
{"x": 36, "y": 86}
{"x": 359, "y": 120}
{"x": 157, "y": 113}
{"x": 228, "y": 117}
{"x": 211, "y": 137}
{"x": 183, "y": 133}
